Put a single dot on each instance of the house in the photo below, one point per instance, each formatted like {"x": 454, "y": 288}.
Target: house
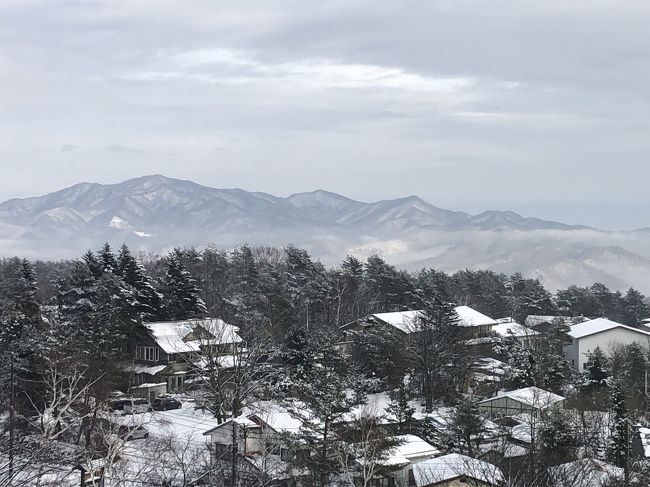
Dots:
{"x": 475, "y": 324}
{"x": 586, "y": 471}
{"x": 260, "y": 445}
{"x": 509, "y": 328}
{"x": 455, "y": 470}
{"x": 544, "y": 324}
{"x": 603, "y": 333}
{"x": 395, "y": 469}
{"x": 531, "y": 400}
{"x": 163, "y": 351}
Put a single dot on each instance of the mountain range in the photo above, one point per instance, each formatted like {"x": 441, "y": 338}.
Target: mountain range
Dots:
{"x": 156, "y": 213}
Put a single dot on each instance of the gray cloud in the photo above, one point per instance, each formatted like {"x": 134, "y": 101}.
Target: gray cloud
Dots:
{"x": 539, "y": 107}
{"x": 68, "y": 148}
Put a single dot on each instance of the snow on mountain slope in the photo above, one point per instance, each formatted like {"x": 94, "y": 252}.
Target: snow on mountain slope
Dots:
{"x": 156, "y": 213}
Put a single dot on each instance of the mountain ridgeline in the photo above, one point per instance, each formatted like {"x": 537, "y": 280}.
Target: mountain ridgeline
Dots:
{"x": 155, "y": 213}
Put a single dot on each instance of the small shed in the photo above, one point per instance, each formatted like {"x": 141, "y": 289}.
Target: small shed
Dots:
{"x": 531, "y": 400}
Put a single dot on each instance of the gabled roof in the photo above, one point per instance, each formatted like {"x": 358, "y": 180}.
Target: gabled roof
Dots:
{"x": 507, "y": 327}
{"x": 452, "y": 466}
{"x": 278, "y": 417}
{"x": 406, "y": 320}
{"x": 170, "y": 335}
{"x": 599, "y": 325}
{"x": 413, "y": 447}
{"x": 530, "y": 396}
{"x": 402, "y": 320}
{"x": 586, "y": 471}
{"x": 242, "y": 421}
{"x": 534, "y": 320}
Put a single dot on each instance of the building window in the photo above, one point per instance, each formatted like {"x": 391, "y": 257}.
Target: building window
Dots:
{"x": 286, "y": 455}
{"x": 149, "y": 354}
{"x": 383, "y": 482}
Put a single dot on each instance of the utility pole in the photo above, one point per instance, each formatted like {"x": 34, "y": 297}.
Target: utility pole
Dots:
{"x": 12, "y": 414}
{"x": 627, "y": 452}
{"x": 233, "y": 473}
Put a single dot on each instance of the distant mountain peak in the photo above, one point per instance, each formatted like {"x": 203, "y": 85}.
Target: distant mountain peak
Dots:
{"x": 156, "y": 212}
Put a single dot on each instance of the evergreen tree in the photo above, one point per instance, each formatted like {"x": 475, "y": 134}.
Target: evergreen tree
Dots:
{"x": 635, "y": 308}
{"x": 557, "y": 438}
{"x": 439, "y": 357}
{"x": 382, "y": 353}
{"x": 106, "y": 260}
{"x": 324, "y": 392}
{"x": 182, "y": 295}
{"x": 400, "y": 407}
{"x": 467, "y": 424}
{"x": 149, "y": 301}
{"x": 619, "y": 443}
{"x": 598, "y": 372}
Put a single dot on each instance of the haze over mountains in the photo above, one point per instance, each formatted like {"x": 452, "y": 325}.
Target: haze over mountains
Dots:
{"x": 155, "y": 213}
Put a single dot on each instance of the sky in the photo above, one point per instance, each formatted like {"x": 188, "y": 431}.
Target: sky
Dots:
{"x": 540, "y": 107}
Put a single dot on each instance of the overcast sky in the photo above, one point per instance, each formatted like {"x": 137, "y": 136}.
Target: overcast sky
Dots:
{"x": 536, "y": 106}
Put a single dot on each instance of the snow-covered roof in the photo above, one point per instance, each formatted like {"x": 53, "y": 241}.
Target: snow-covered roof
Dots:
{"x": 406, "y": 320}
{"x": 586, "y": 471}
{"x": 240, "y": 420}
{"x": 490, "y": 366}
{"x": 530, "y": 396}
{"x": 149, "y": 385}
{"x": 170, "y": 335}
{"x": 470, "y": 317}
{"x": 146, "y": 369}
{"x": 512, "y": 328}
{"x": 277, "y": 417}
{"x": 599, "y": 325}
{"x": 534, "y": 320}
{"x": 402, "y": 320}
{"x": 411, "y": 448}
{"x": 454, "y": 465}
{"x": 506, "y": 448}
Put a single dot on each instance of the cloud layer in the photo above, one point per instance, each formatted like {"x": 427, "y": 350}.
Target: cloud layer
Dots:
{"x": 539, "y": 107}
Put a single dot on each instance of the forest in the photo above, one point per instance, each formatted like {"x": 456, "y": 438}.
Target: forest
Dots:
{"x": 66, "y": 330}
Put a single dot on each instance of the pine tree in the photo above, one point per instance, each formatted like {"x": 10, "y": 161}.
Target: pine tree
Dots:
{"x": 598, "y": 372}
{"x": 437, "y": 343}
{"x": 400, "y": 408}
{"x": 619, "y": 443}
{"x": 467, "y": 424}
{"x": 182, "y": 295}
{"x": 150, "y": 302}
{"x": 327, "y": 390}
{"x": 635, "y": 308}
{"x": 106, "y": 259}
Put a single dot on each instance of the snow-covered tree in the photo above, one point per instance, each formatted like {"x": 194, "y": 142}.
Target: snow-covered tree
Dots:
{"x": 619, "y": 443}
{"x": 182, "y": 295}
{"x": 467, "y": 425}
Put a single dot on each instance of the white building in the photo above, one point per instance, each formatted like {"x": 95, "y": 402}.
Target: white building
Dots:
{"x": 602, "y": 333}
{"x": 475, "y": 323}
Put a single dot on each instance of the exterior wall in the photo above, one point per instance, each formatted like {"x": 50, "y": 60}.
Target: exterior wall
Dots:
{"x": 147, "y": 341}
{"x": 249, "y": 440}
{"x": 506, "y": 406}
{"x": 606, "y": 340}
{"x": 503, "y": 406}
